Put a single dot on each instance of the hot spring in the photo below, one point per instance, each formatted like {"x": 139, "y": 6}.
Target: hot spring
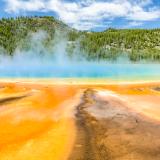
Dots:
{"x": 51, "y": 69}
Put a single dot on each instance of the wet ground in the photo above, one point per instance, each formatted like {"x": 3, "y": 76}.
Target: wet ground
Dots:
{"x": 79, "y": 122}
{"x": 108, "y": 130}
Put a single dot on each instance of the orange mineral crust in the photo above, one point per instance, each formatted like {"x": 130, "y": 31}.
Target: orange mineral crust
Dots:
{"x": 37, "y": 120}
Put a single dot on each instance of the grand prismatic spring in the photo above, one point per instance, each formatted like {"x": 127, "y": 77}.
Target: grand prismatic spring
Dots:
{"x": 88, "y": 113}
{"x": 79, "y": 79}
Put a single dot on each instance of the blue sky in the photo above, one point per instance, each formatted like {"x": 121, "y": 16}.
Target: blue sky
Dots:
{"x": 89, "y": 14}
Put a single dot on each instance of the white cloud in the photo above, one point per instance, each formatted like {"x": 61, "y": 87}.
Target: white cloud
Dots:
{"x": 138, "y": 14}
{"x": 90, "y": 13}
{"x": 16, "y": 6}
{"x": 134, "y": 24}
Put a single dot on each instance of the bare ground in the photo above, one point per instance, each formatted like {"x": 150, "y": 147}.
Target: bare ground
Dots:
{"x": 108, "y": 130}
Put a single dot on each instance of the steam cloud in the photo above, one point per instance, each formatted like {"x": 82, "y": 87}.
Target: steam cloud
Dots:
{"x": 36, "y": 60}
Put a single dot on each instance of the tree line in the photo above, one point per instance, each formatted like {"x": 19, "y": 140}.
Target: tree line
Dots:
{"x": 136, "y": 44}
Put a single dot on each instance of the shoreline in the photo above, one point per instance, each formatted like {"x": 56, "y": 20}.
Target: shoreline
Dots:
{"x": 79, "y": 81}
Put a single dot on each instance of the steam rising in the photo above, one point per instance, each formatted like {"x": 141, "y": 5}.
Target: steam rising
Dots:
{"x": 37, "y": 60}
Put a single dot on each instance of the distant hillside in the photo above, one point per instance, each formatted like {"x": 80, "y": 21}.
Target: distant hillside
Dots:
{"x": 12, "y": 31}
{"x": 136, "y": 44}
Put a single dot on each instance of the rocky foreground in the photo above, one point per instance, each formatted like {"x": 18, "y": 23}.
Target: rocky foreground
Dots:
{"x": 108, "y": 130}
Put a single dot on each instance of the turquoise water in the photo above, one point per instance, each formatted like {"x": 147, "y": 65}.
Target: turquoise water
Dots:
{"x": 85, "y": 70}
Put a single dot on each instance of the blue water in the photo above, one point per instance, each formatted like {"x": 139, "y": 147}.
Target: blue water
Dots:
{"x": 85, "y": 70}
